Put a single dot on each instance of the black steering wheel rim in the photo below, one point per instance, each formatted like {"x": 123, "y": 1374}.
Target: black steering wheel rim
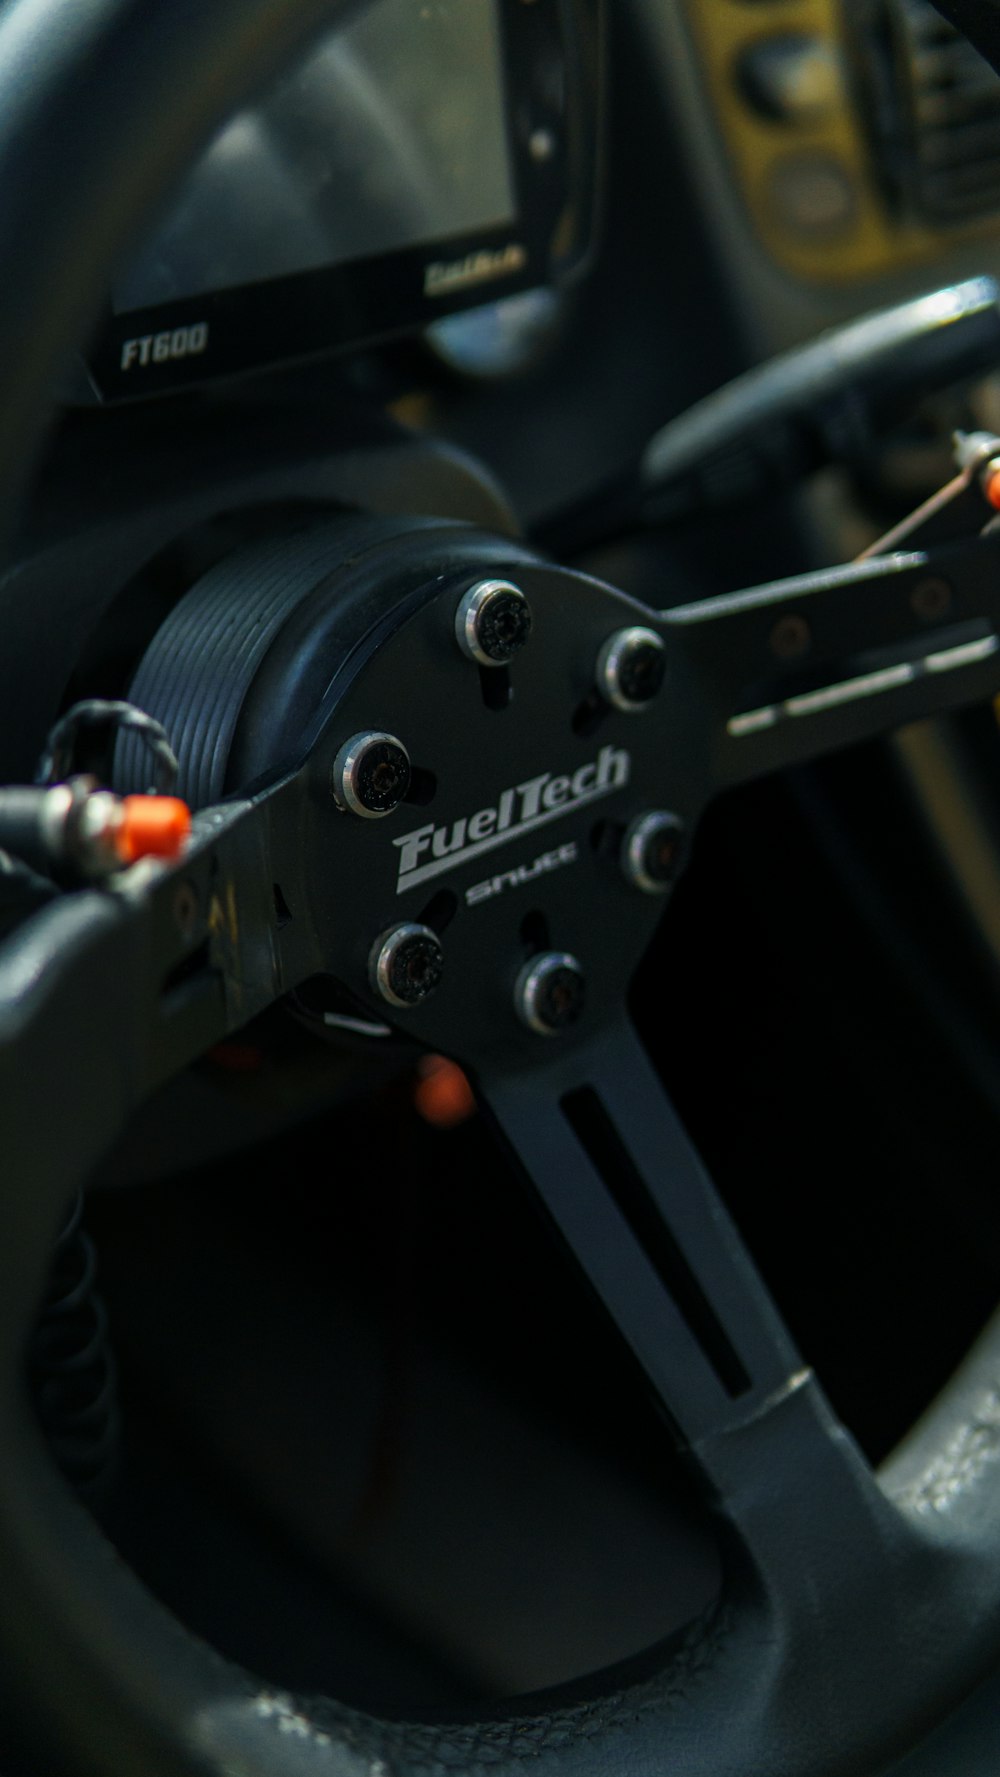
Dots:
{"x": 761, "y": 1683}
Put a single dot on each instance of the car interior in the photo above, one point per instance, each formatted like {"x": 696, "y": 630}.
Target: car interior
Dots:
{"x": 474, "y": 1297}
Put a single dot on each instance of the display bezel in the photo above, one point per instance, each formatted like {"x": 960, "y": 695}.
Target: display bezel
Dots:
{"x": 551, "y": 55}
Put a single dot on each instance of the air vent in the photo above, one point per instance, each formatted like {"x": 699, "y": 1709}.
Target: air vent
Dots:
{"x": 948, "y": 117}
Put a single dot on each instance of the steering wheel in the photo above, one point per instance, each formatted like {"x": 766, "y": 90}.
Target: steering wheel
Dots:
{"x": 857, "y": 1607}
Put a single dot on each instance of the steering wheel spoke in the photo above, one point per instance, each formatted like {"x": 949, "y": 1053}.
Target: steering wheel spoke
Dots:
{"x": 793, "y": 670}
{"x": 603, "y": 1147}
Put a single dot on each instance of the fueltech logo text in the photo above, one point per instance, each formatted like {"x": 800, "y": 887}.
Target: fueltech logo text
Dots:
{"x": 431, "y": 851}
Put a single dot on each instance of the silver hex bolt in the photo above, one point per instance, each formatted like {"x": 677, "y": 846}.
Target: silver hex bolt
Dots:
{"x": 493, "y": 622}
{"x": 550, "y": 993}
{"x": 371, "y": 774}
{"x": 406, "y": 965}
{"x": 651, "y": 851}
{"x": 630, "y": 668}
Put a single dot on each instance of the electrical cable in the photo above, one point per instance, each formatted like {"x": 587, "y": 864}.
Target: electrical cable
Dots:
{"x": 71, "y": 1368}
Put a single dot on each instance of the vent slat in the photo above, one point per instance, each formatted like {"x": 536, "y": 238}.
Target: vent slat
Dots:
{"x": 954, "y": 116}
{"x": 962, "y": 147}
{"x": 942, "y": 110}
{"x": 949, "y": 64}
{"x": 964, "y": 184}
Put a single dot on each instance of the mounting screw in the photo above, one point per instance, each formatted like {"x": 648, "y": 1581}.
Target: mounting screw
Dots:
{"x": 493, "y": 622}
{"x": 651, "y": 851}
{"x": 791, "y": 637}
{"x": 550, "y": 993}
{"x": 931, "y": 599}
{"x": 406, "y": 965}
{"x": 371, "y": 774}
{"x": 630, "y": 668}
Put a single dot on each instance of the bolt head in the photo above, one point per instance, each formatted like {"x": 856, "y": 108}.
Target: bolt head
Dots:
{"x": 651, "y": 851}
{"x": 631, "y": 668}
{"x": 493, "y": 622}
{"x": 550, "y": 993}
{"x": 791, "y": 637}
{"x": 371, "y": 774}
{"x": 406, "y": 965}
{"x": 931, "y": 599}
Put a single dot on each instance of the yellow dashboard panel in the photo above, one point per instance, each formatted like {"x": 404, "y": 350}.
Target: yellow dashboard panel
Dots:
{"x": 779, "y": 76}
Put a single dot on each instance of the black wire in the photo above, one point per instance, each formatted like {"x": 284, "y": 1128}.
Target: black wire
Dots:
{"x": 71, "y": 1368}
{"x": 58, "y": 761}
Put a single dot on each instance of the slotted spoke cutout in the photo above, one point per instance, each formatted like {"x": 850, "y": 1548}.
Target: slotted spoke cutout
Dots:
{"x": 604, "y": 1149}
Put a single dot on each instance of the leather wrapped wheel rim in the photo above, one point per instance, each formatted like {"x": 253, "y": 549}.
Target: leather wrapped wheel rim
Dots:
{"x": 773, "y": 1679}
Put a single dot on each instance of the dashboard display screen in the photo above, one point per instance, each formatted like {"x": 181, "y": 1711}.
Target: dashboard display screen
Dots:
{"x": 391, "y": 135}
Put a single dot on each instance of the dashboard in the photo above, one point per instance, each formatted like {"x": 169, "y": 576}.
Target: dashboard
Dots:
{"x": 839, "y": 151}
{"x": 861, "y": 137}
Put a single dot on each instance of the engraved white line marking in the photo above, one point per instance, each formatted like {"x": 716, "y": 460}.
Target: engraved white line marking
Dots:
{"x": 850, "y": 690}
{"x": 889, "y": 678}
{"x": 966, "y": 654}
{"x": 753, "y": 721}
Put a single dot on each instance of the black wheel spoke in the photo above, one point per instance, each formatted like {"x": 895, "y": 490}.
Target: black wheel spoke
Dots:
{"x": 605, "y": 1150}
{"x": 799, "y": 668}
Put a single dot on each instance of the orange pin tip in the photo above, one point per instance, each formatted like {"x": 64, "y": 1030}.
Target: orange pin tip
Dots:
{"x": 442, "y": 1095}
{"x": 991, "y": 487}
{"x": 152, "y": 827}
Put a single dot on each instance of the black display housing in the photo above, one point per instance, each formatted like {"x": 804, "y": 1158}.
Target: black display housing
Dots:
{"x": 552, "y": 53}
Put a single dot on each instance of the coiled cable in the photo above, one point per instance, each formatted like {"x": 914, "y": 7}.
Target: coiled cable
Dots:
{"x": 71, "y": 1367}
